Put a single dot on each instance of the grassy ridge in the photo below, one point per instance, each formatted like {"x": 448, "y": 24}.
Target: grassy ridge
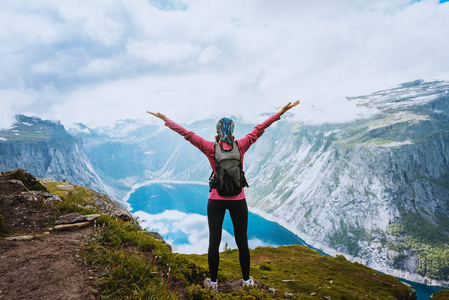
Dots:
{"x": 307, "y": 274}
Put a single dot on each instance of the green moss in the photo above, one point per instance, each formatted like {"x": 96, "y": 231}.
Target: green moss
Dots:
{"x": 64, "y": 189}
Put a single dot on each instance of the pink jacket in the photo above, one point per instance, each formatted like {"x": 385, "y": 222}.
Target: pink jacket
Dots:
{"x": 207, "y": 147}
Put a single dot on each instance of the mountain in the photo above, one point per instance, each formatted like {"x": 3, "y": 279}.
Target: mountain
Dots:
{"x": 376, "y": 189}
{"x": 45, "y": 149}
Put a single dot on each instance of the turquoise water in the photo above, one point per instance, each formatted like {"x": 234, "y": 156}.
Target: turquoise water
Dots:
{"x": 423, "y": 292}
{"x": 178, "y": 213}
{"x": 171, "y": 208}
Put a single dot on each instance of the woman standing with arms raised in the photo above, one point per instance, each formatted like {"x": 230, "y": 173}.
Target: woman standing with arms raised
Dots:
{"x": 220, "y": 201}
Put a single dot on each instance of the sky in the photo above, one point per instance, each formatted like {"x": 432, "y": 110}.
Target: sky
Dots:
{"x": 98, "y": 61}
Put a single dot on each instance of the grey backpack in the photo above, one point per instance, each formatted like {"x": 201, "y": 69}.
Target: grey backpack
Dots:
{"x": 229, "y": 178}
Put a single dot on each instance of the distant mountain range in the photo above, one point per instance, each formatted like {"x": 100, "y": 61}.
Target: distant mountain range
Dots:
{"x": 376, "y": 189}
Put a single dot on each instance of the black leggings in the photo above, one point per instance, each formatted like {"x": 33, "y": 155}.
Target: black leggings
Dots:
{"x": 239, "y": 215}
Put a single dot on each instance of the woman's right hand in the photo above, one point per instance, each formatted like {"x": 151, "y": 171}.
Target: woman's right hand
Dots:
{"x": 158, "y": 115}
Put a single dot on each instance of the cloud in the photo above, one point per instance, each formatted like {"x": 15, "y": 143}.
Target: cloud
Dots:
{"x": 96, "y": 61}
{"x": 188, "y": 233}
{"x": 162, "y": 52}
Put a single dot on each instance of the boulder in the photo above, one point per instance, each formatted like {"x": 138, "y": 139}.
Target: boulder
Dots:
{"x": 91, "y": 218}
{"x": 76, "y": 218}
{"x": 20, "y": 238}
{"x": 17, "y": 182}
{"x": 71, "y": 226}
{"x": 48, "y": 197}
{"x": 70, "y": 219}
{"x": 29, "y": 196}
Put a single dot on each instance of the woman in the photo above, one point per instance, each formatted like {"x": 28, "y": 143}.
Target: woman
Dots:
{"x": 217, "y": 204}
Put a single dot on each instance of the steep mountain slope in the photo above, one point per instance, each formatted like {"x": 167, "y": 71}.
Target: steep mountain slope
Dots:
{"x": 45, "y": 148}
{"x": 377, "y": 189}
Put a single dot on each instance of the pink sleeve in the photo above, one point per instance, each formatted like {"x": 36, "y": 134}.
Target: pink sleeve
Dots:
{"x": 250, "y": 138}
{"x": 204, "y": 146}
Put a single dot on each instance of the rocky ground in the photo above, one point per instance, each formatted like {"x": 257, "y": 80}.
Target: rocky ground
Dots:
{"x": 45, "y": 267}
{"x": 34, "y": 263}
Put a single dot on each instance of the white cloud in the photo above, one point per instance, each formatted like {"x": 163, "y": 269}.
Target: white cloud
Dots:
{"x": 114, "y": 59}
{"x": 162, "y": 52}
{"x": 172, "y": 223}
{"x": 208, "y": 55}
{"x": 175, "y": 223}
{"x": 12, "y": 101}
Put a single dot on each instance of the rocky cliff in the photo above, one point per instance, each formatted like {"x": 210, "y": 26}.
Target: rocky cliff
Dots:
{"x": 45, "y": 149}
{"x": 377, "y": 188}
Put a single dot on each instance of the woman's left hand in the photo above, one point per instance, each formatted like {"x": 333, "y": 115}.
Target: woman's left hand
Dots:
{"x": 158, "y": 115}
{"x": 287, "y": 107}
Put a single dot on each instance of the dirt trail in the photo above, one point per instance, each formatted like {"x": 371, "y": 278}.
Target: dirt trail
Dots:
{"x": 45, "y": 268}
